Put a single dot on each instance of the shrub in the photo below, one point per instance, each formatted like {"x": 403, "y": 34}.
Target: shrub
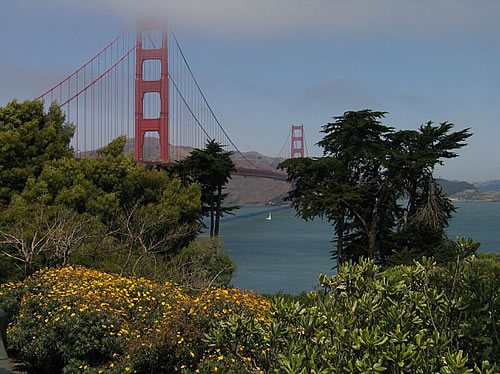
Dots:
{"x": 200, "y": 265}
{"x": 73, "y": 319}
{"x": 416, "y": 319}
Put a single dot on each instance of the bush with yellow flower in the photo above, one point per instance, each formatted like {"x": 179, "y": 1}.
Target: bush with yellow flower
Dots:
{"x": 75, "y": 319}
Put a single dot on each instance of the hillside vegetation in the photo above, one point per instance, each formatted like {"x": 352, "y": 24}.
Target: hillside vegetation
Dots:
{"x": 489, "y": 186}
{"x": 451, "y": 188}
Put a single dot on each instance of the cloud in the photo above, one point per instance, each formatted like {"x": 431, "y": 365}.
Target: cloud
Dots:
{"x": 334, "y": 18}
{"x": 25, "y": 83}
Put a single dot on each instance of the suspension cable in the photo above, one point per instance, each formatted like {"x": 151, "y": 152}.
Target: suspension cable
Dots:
{"x": 284, "y": 144}
{"x": 305, "y": 143}
{"x": 187, "y": 106}
{"x": 99, "y": 77}
{"x": 205, "y": 100}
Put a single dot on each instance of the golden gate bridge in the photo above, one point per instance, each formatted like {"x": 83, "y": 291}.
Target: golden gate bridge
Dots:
{"x": 140, "y": 85}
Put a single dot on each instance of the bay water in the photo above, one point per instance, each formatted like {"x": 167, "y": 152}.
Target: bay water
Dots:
{"x": 287, "y": 253}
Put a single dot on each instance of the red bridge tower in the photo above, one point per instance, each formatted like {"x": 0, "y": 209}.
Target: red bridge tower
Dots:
{"x": 143, "y": 87}
{"x": 297, "y": 149}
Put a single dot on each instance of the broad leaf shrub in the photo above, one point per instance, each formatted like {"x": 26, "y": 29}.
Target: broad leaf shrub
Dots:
{"x": 409, "y": 319}
{"x": 75, "y": 319}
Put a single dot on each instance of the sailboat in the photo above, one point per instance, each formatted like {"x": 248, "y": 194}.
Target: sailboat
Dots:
{"x": 269, "y": 217}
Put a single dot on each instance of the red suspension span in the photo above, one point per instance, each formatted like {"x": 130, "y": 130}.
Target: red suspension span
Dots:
{"x": 160, "y": 124}
{"x": 297, "y": 149}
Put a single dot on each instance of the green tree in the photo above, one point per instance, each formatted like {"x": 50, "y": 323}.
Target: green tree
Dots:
{"x": 136, "y": 213}
{"x": 427, "y": 211}
{"x": 211, "y": 167}
{"x": 109, "y": 185}
{"x": 28, "y": 138}
{"x": 350, "y": 185}
{"x": 365, "y": 171}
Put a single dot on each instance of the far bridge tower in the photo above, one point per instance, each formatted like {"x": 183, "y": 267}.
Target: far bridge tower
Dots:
{"x": 297, "y": 141}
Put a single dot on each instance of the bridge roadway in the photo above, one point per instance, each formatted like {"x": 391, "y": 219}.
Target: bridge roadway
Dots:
{"x": 248, "y": 172}
{"x": 261, "y": 173}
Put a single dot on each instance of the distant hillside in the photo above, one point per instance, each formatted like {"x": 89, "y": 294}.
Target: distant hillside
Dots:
{"x": 257, "y": 159}
{"x": 250, "y": 190}
{"x": 488, "y": 186}
{"x": 152, "y": 149}
{"x": 451, "y": 188}
{"x": 466, "y": 192}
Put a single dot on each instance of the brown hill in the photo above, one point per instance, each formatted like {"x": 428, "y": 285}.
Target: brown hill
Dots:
{"x": 257, "y": 160}
{"x": 152, "y": 149}
{"x": 251, "y": 190}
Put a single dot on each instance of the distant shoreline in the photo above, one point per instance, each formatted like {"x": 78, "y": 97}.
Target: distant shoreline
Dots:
{"x": 473, "y": 196}
{"x": 473, "y": 200}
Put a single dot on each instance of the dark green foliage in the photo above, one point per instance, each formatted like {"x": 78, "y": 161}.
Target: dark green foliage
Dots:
{"x": 211, "y": 167}
{"x": 123, "y": 212}
{"x": 28, "y": 138}
{"x": 78, "y": 340}
{"x": 350, "y": 185}
{"x": 366, "y": 170}
{"x": 107, "y": 185}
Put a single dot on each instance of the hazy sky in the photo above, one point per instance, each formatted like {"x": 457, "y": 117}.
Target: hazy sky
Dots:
{"x": 265, "y": 64}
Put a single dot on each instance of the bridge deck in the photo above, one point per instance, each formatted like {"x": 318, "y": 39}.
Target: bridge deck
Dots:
{"x": 246, "y": 172}
{"x": 261, "y": 173}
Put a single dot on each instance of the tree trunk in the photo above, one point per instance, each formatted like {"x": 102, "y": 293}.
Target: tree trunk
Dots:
{"x": 372, "y": 234}
{"x": 412, "y": 199}
{"x": 211, "y": 213}
{"x": 217, "y": 211}
{"x": 340, "y": 241}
